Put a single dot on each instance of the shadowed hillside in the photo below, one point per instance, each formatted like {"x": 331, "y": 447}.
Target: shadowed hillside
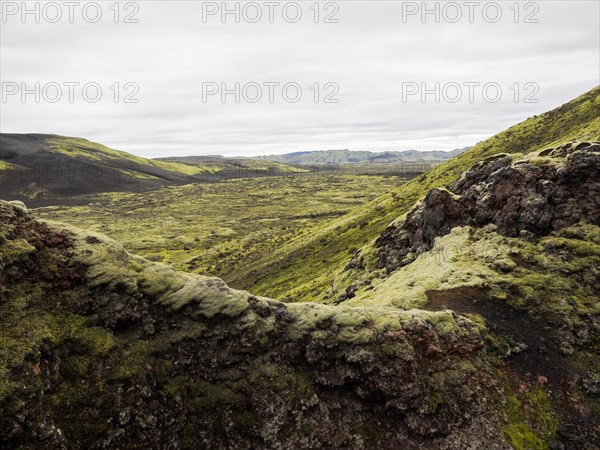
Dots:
{"x": 42, "y": 167}
{"x": 49, "y": 169}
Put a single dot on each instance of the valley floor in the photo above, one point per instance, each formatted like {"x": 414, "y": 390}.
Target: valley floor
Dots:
{"x": 220, "y": 229}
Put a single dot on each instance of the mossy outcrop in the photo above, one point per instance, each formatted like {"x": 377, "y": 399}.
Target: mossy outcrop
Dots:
{"x": 303, "y": 269}
{"x": 544, "y": 192}
{"x": 103, "y": 349}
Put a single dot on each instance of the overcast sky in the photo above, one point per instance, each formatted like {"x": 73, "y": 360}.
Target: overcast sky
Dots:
{"x": 376, "y": 52}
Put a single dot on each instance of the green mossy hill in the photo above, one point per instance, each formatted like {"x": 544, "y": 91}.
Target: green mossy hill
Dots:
{"x": 303, "y": 270}
{"x": 103, "y": 349}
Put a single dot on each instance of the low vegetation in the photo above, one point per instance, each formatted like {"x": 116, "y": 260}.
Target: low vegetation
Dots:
{"x": 222, "y": 229}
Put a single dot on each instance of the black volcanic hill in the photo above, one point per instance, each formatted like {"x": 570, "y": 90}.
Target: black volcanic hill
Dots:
{"x": 43, "y": 166}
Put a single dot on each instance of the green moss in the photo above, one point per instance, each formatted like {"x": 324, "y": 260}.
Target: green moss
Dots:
{"x": 72, "y": 328}
{"x": 531, "y": 422}
{"x": 15, "y": 250}
{"x": 455, "y": 261}
{"x": 521, "y": 437}
{"x": 543, "y": 413}
{"x": 556, "y": 274}
{"x": 26, "y": 324}
{"x": 362, "y": 324}
{"x": 134, "y": 361}
{"x": 402, "y": 349}
{"x": 478, "y": 319}
{"x": 157, "y": 280}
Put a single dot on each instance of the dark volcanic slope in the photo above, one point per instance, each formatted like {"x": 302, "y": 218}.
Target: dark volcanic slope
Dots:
{"x": 41, "y": 167}
{"x": 44, "y": 169}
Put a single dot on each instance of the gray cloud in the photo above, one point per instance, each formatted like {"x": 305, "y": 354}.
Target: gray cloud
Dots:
{"x": 369, "y": 54}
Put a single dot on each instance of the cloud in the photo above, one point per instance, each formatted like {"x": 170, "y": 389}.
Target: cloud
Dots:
{"x": 369, "y": 54}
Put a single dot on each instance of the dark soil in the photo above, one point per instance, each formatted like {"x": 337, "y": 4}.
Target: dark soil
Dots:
{"x": 534, "y": 348}
{"x": 541, "y": 361}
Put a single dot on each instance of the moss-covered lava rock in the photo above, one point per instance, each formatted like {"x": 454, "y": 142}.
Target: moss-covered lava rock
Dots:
{"x": 103, "y": 349}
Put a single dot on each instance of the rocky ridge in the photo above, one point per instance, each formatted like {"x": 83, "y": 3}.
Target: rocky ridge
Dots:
{"x": 515, "y": 242}
{"x": 549, "y": 191}
{"x": 102, "y": 349}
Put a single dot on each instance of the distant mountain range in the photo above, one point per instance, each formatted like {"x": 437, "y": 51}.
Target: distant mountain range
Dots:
{"x": 330, "y": 157}
{"x": 361, "y": 157}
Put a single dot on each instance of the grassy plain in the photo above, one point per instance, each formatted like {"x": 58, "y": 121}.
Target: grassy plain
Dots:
{"x": 223, "y": 229}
